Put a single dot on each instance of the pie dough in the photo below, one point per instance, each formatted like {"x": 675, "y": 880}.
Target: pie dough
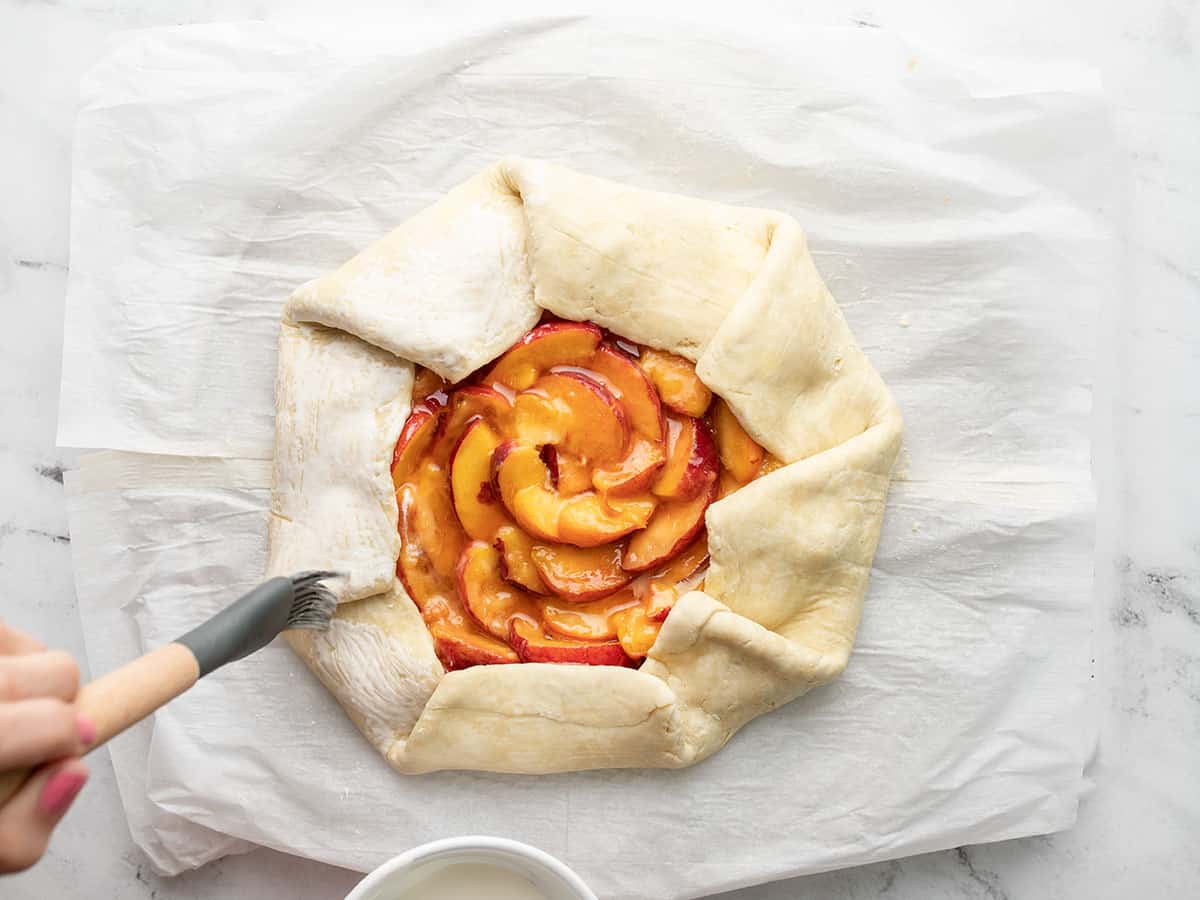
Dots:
{"x": 733, "y": 290}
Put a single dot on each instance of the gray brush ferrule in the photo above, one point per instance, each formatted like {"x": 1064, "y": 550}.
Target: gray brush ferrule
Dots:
{"x": 247, "y": 625}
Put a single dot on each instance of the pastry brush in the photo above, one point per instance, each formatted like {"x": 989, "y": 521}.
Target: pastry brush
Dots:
{"x": 127, "y": 695}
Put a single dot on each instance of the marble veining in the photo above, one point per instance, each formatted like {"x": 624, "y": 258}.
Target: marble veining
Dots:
{"x": 38, "y": 264}
{"x": 54, "y": 473}
{"x": 1174, "y": 592}
{"x": 988, "y": 882}
{"x": 1136, "y": 830}
{"x": 6, "y": 530}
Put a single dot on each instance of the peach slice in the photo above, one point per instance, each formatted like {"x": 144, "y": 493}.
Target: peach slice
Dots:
{"x": 516, "y": 559}
{"x": 636, "y": 471}
{"x": 414, "y": 567}
{"x": 463, "y": 406}
{"x": 574, "y": 475}
{"x": 427, "y": 518}
{"x": 521, "y": 477}
{"x": 632, "y": 387}
{"x": 676, "y": 381}
{"x": 415, "y": 437}
{"x": 575, "y": 412}
{"x": 588, "y": 520}
{"x": 673, "y": 525}
{"x": 472, "y": 400}
{"x": 740, "y": 454}
{"x": 569, "y": 474}
{"x": 479, "y": 509}
{"x": 548, "y": 345}
{"x": 726, "y": 484}
{"x": 578, "y": 574}
{"x": 691, "y": 460}
{"x": 591, "y": 621}
{"x": 584, "y": 520}
{"x": 533, "y": 645}
{"x": 459, "y": 649}
{"x": 636, "y": 631}
{"x": 688, "y": 563}
{"x": 682, "y": 574}
{"x": 427, "y": 383}
{"x": 491, "y": 601}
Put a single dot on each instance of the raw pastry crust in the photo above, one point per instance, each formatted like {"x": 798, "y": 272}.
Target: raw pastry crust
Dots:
{"x": 451, "y": 289}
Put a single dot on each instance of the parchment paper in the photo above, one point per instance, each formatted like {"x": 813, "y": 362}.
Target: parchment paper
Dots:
{"x": 954, "y": 212}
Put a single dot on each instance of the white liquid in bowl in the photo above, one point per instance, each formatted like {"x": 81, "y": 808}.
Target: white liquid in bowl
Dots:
{"x": 467, "y": 881}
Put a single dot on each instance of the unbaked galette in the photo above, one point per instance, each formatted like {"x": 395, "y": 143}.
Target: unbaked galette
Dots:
{"x": 604, "y": 469}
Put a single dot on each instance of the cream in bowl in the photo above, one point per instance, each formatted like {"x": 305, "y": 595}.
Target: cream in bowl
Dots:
{"x": 468, "y": 868}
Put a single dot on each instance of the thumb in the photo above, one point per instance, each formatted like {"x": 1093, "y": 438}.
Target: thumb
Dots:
{"x": 29, "y": 817}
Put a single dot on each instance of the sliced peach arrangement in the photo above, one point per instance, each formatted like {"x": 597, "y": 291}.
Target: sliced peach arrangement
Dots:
{"x": 552, "y": 507}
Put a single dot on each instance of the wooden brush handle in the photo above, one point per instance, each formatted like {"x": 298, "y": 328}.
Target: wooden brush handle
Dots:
{"x": 124, "y": 697}
{"x": 127, "y": 695}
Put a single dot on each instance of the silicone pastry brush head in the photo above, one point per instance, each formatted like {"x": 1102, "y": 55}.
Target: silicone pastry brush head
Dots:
{"x": 301, "y": 601}
{"x": 313, "y": 602}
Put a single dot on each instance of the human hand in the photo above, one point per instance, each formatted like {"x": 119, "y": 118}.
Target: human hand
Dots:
{"x": 41, "y": 729}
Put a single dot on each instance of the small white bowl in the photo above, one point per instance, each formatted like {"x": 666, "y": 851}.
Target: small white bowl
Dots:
{"x": 548, "y": 875}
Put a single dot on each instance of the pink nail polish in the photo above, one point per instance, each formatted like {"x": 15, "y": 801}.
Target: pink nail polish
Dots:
{"x": 60, "y": 790}
{"x": 87, "y": 730}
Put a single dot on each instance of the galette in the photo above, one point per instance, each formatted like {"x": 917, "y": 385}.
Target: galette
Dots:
{"x": 603, "y": 468}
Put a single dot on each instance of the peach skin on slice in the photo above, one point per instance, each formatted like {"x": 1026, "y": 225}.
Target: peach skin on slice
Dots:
{"x": 691, "y": 460}
{"x": 740, "y": 454}
{"x": 574, "y": 412}
{"x": 516, "y": 560}
{"x": 635, "y": 473}
{"x": 580, "y": 575}
{"x": 533, "y": 645}
{"x": 491, "y": 601}
{"x": 479, "y": 509}
{"x": 460, "y": 649}
{"x": 415, "y": 437}
{"x": 633, "y": 389}
{"x": 676, "y": 381}
{"x": 672, "y": 527}
{"x": 548, "y": 345}
{"x": 591, "y": 621}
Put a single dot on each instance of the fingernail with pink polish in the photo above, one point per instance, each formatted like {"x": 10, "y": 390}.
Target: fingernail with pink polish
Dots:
{"x": 60, "y": 790}
{"x": 87, "y": 729}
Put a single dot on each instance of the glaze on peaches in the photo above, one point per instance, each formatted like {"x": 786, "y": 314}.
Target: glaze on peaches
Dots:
{"x": 552, "y": 505}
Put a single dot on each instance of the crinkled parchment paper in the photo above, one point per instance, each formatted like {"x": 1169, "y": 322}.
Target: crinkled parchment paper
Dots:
{"x": 952, "y": 211}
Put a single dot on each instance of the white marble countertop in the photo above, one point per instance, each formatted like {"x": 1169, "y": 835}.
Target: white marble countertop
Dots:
{"x": 1135, "y": 834}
